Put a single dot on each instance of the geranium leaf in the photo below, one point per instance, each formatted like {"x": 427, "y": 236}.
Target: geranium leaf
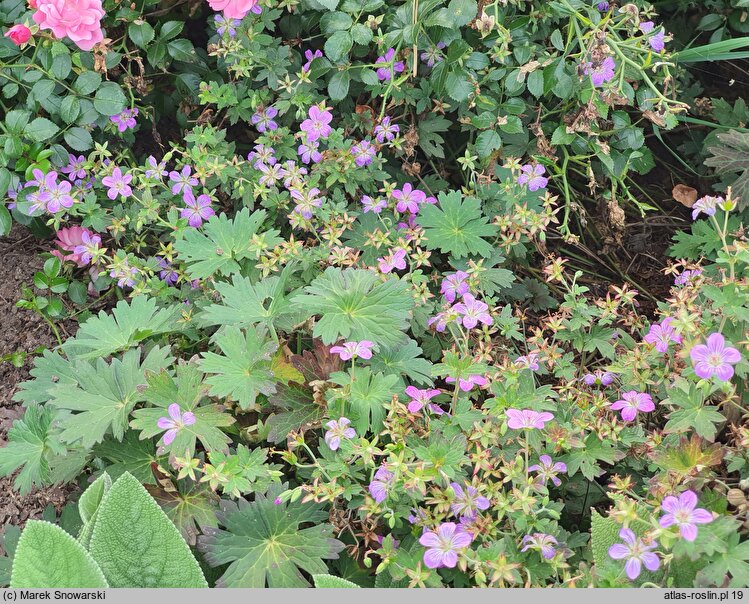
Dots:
{"x": 189, "y": 392}
{"x": 456, "y": 226}
{"x": 127, "y": 326}
{"x": 264, "y": 544}
{"x": 243, "y": 370}
{"x": 105, "y": 395}
{"x": 355, "y": 304}
{"x": 223, "y": 243}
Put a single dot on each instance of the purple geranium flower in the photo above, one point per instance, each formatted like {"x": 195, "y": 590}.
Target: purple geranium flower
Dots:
{"x": 527, "y": 419}
{"x": 433, "y": 54}
{"x": 308, "y": 152}
{"x": 87, "y": 248}
{"x": 385, "y": 130}
{"x": 271, "y": 174}
{"x": 175, "y": 422}
{"x": 440, "y": 320}
{"x": 409, "y": 199}
{"x": 263, "y": 120}
{"x": 317, "y": 125}
{"x": 444, "y": 545}
{"x": 603, "y": 6}
{"x": 197, "y": 210}
{"x": 419, "y": 398}
{"x": 74, "y": 169}
{"x": 386, "y": 68}
{"x": 714, "y": 358}
{"x": 548, "y": 469}
{"x": 167, "y": 273}
{"x": 262, "y": 155}
{"x": 636, "y": 552}
{"x": 306, "y": 201}
{"x": 364, "y": 153}
{"x": 687, "y": 276}
{"x": 632, "y": 402}
{"x": 472, "y": 312}
{"x": 600, "y": 74}
{"x": 311, "y": 56}
{"x": 125, "y": 120}
{"x": 529, "y": 361}
{"x": 533, "y": 176}
{"x": 662, "y": 334}
{"x": 226, "y": 25}
{"x": 57, "y": 194}
{"x": 125, "y": 275}
{"x": 705, "y": 205}
{"x": 338, "y": 430}
{"x": 540, "y": 542}
{"x": 394, "y": 261}
{"x": 383, "y": 480}
{"x": 599, "y": 378}
{"x": 466, "y": 385}
{"x": 156, "y": 169}
{"x": 183, "y": 181}
{"x": 373, "y": 205}
{"x": 467, "y": 502}
{"x": 684, "y": 513}
{"x": 351, "y": 350}
{"x": 454, "y": 286}
{"x": 118, "y": 183}
{"x": 293, "y": 175}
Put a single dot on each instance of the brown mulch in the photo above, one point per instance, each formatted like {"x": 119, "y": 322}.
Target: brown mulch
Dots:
{"x": 22, "y": 331}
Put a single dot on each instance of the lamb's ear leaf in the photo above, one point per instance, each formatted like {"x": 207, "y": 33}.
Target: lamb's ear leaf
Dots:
{"x": 332, "y": 582}
{"x": 88, "y": 506}
{"x": 48, "y": 557}
{"x": 92, "y": 496}
{"x": 135, "y": 543}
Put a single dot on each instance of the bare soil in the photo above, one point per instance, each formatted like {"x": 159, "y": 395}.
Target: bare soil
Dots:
{"x": 20, "y": 331}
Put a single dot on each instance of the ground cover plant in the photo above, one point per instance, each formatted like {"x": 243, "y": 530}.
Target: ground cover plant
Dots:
{"x": 436, "y": 293}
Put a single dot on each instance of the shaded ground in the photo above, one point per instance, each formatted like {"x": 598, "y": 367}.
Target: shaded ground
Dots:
{"x": 20, "y": 331}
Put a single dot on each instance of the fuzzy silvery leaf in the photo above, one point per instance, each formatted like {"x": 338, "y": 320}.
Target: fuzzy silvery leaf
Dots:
{"x": 48, "y": 557}
{"x": 136, "y": 545}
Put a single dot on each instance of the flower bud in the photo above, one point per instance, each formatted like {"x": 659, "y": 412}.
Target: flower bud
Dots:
{"x": 19, "y": 34}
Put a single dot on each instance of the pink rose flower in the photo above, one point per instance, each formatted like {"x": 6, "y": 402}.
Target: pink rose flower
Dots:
{"x": 234, "y": 9}
{"x": 79, "y": 20}
{"x": 19, "y": 34}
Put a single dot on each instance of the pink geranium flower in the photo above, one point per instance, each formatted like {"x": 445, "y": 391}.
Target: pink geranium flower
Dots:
{"x": 466, "y": 385}
{"x": 419, "y": 398}
{"x": 444, "y": 545}
{"x": 636, "y": 552}
{"x": 527, "y": 419}
{"x": 79, "y": 20}
{"x": 632, "y": 402}
{"x": 350, "y": 350}
{"x": 662, "y": 334}
{"x": 714, "y": 358}
{"x": 684, "y": 513}
{"x": 338, "y": 431}
{"x": 175, "y": 422}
